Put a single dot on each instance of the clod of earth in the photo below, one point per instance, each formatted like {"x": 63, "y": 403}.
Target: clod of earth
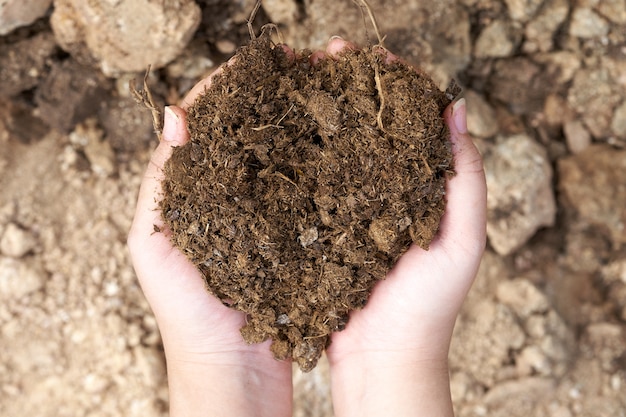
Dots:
{"x": 302, "y": 185}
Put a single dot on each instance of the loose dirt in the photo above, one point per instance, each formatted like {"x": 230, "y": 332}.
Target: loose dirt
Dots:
{"x": 302, "y": 185}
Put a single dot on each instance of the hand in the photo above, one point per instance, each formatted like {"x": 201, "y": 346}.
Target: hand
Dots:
{"x": 211, "y": 370}
{"x": 392, "y": 356}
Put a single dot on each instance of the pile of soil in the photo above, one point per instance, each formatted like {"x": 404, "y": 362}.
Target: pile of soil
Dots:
{"x": 302, "y": 185}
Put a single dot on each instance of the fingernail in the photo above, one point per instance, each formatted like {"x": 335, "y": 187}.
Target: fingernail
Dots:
{"x": 170, "y": 124}
{"x": 332, "y": 38}
{"x": 459, "y": 115}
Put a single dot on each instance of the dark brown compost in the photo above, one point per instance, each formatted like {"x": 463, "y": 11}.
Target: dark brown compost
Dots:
{"x": 302, "y": 185}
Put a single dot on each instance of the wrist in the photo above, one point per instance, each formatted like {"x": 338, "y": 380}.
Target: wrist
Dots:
{"x": 377, "y": 384}
{"x": 229, "y": 383}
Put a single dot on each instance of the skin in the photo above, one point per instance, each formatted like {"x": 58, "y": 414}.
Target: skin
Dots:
{"x": 392, "y": 356}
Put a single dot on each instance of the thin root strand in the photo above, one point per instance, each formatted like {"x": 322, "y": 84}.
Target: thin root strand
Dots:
{"x": 255, "y": 10}
{"x": 145, "y": 98}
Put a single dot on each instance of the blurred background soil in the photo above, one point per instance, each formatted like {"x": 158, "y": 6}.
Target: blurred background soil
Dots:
{"x": 543, "y": 332}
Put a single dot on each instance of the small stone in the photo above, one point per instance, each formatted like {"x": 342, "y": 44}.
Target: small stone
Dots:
{"x": 523, "y": 10}
{"x": 22, "y": 65}
{"x": 535, "y": 326}
{"x": 584, "y": 251}
{"x": 540, "y": 31}
{"x": 585, "y": 23}
{"x": 615, "y": 271}
{"x": 308, "y": 237}
{"x": 554, "y": 337}
{"x": 613, "y": 10}
{"x": 563, "y": 64}
{"x": 383, "y": 234}
{"x": 89, "y": 137}
{"x": 151, "y": 365}
{"x": 226, "y": 46}
{"x": 190, "y": 66}
{"x": 594, "y": 97}
{"x": 100, "y": 154}
{"x": 618, "y": 125}
{"x": 616, "y": 382}
{"x": 110, "y": 34}
{"x": 284, "y": 12}
{"x": 617, "y": 69}
{"x": 516, "y": 82}
{"x": 94, "y": 384}
{"x": 554, "y": 110}
{"x": 494, "y": 41}
{"x": 522, "y": 296}
{"x": 489, "y": 333}
{"x": 21, "y": 122}
{"x": 481, "y": 117}
{"x": 513, "y": 395}
{"x": 16, "y": 242}
{"x": 17, "y": 13}
{"x": 69, "y": 93}
{"x": 530, "y": 360}
{"x": 593, "y": 183}
{"x": 577, "y": 136}
{"x": 283, "y": 319}
{"x": 459, "y": 385}
{"x": 18, "y": 279}
{"x": 604, "y": 342}
{"x": 520, "y": 198}
{"x": 121, "y": 118}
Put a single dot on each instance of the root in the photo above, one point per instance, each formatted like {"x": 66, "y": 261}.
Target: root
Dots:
{"x": 370, "y": 13}
{"x": 381, "y": 96}
{"x": 144, "y": 98}
{"x": 375, "y": 64}
{"x": 269, "y": 27}
{"x": 255, "y": 10}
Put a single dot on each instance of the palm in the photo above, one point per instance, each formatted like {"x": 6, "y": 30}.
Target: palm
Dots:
{"x": 177, "y": 295}
{"x": 198, "y": 331}
{"x": 417, "y": 303}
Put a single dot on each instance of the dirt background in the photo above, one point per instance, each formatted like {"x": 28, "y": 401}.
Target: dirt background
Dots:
{"x": 543, "y": 332}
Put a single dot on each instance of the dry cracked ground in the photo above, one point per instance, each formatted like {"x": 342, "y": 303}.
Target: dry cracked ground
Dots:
{"x": 543, "y": 332}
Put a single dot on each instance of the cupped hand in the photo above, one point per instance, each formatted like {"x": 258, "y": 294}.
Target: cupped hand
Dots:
{"x": 211, "y": 370}
{"x": 414, "y": 309}
{"x": 393, "y": 353}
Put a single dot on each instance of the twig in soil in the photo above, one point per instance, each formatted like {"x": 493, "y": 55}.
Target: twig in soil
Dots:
{"x": 375, "y": 64}
{"x": 277, "y": 124}
{"x": 370, "y": 13}
{"x": 257, "y": 6}
{"x": 144, "y": 97}
{"x": 271, "y": 26}
{"x": 379, "y": 87}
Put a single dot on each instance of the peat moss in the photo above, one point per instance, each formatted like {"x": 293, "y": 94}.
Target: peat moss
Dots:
{"x": 302, "y": 185}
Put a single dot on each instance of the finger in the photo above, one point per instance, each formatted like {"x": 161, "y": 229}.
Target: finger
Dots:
{"x": 147, "y": 216}
{"x": 389, "y": 57}
{"x": 464, "y": 222}
{"x": 316, "y": 57}
{"x": 337, "y": 45}
{"x": 291, "y": 55}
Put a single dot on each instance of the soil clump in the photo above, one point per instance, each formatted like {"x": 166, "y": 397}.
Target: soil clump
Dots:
{"x": 303, "y": 184}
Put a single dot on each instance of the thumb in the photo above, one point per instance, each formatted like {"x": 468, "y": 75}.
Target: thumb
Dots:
{"x": 147, "y": 215}
{"x": 464, "y": 222}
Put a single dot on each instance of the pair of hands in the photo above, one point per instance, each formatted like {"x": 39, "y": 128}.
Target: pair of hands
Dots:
{"x": 392, "y": 356}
